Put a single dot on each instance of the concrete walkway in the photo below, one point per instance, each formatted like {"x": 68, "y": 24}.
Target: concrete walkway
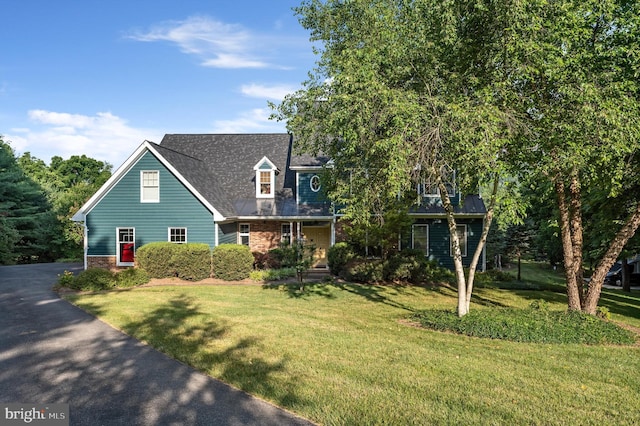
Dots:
{"x": 53, "y": 352}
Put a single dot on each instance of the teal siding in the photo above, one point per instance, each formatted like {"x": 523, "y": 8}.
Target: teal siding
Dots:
{"x": 439, "y": 240}
{"x": 121, "y": 208}
{"x": 305, "y": 194}
{"x": 228, "y": 233}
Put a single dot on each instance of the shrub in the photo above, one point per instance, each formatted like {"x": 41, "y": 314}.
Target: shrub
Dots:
{"x": 285, "y": 256}
{"x": 166, "y": 260}
{"x": 232, "y": 262}
{"x": 535, "y": 325}
{"x": 93, "y": 279}
{"x": 157, "y": 259}
{"x": 66, "y": 279}
{"x": 363, "y": 271}
{"x": 131, "y": 277}
{"x": 268, "y": 260}
{"x": 272, "y": 274}
{"x": 192, "y": 262}
{"x": 338, "y": 256}
{"x": 408, "y": 265}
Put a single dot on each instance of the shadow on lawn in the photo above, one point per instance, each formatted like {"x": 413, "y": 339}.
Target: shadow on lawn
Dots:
{"x": 372, "y": 293}
{"x": 622, "y": 303}
{"x": 182, "y": 331}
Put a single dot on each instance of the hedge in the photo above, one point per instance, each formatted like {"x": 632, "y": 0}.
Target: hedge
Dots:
{"x": 190, "y": 262}
{"x": 232, "y": 262}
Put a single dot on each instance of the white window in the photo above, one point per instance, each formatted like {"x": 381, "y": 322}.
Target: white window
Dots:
{"x": 265, "y": 178}
{"x": 126, "y": 246}
{"x": 461, "y": 230}
{"x": 314, "y": 183}
{"x": 285, "y": 234}
{"x": 420, "y": 238}
{"x": 244, "y": 233}
{"x": 266, "y": 183}
{"x": 178, "y": 235}
{"x": 150, "y": 186}
{"x": 427, "y": 189}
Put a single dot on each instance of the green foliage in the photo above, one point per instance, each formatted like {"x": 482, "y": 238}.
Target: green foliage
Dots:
{"x": 232, "y": 262}
{"x": 161, "y": 259}
{"x": 272, "y": 274}
{"x": 131, "y": 277}
{"x": 31, "y": 232}
{"x": 92, "y": 279}
{"x": 157, "y": 259}
{"x": 66, "y": 279}
{"x": 338, "y": 256}
{"x": 535, "y": 325}
{"x": 192, "y": 261}
{"x": 67, "y": 185}
{"x": 412, "y": 266}
{"x": 99, "y": 279}
{"x": 364, "y": 271}
{"x": 284, "y": 256}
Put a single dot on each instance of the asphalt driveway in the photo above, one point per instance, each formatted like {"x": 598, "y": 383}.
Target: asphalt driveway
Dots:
{"x": 53, "y": 352}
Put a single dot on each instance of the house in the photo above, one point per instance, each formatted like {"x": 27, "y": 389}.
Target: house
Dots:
{"x": 238, "y": 188}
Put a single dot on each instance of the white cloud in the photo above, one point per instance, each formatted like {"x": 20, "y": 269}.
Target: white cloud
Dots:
{"x": 276, "y": 92}
{"x": 253, "y": 121}
{"x": 220, "y": 45}
{"x": 104, "y": 136}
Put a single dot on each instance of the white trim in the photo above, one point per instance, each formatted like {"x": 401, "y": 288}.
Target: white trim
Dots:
{"x": 243, "y": 234}
{"x": 118, "y": 262}
{"x": 311, "y": 183}
{"x": 288, "y": 234}
{"x": 272, "y": 177}
{"x": 272, "y": 183}
{"x": 177, "y": 227}
{"x": 142, "y": 186}
{"x": 86, "y": 245}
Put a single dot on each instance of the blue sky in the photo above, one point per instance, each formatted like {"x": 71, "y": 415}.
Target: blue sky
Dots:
{"x": 99, "y": 77}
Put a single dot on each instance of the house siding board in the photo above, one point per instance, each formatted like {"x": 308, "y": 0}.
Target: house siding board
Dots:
{"x": 439, "y": 240}
{"x": 305, "y": 193}
{"x": 121, "y": 207}
{"x": 228, "y": 233}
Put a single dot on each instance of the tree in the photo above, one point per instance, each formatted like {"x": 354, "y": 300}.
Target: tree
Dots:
{"x": 25, "y": 215}
{"x": 68, "y": 184}
{"x": 577, "y": 84}
{"x": 405, "y": 92}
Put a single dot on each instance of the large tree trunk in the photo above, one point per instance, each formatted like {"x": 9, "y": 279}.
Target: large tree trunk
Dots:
{"x": 483, "y": 240}
{"x": 625, "y": 276}
{"x": 457, "y": 253}
{"x": 615, "y": 248}
{"x": 568, "y": 251}
{"x": 577, "y": 234}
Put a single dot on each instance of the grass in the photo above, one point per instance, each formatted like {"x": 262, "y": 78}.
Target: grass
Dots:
{"x": 344, "y": 354}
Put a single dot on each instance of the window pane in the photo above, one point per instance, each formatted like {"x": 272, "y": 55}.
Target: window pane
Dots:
{"x": 421, "y": 238}
{"x": 178, "y": 235}
{"x": 150, "y": 186}
{"x": 265, "y": 183}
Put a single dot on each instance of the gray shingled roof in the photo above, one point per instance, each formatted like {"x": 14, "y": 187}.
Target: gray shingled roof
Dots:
{"x": 220, "y": 168}
{"x": 472, "y": 205}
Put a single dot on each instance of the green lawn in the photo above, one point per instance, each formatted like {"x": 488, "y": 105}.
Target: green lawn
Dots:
{"x": 344, "y": 354}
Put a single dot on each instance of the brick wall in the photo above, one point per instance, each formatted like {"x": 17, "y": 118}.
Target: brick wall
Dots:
{"x": 265, "y": 235}
{"x": 104, "y": 262}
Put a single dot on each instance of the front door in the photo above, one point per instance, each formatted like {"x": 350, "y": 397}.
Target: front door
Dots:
{"x": 320, "y": 237}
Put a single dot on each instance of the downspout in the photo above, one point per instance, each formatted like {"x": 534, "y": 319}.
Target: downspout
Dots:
{"x": 86, "y": 244}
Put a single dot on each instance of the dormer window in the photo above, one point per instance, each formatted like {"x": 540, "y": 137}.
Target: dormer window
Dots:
{"x": 266, "y": 173}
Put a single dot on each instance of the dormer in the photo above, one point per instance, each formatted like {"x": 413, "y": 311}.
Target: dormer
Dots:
{"x": 266, "y": 173}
